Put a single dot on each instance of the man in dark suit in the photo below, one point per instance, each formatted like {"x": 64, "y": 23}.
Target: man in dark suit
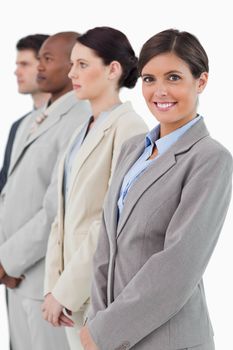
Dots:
{"x": 26, "y": 72}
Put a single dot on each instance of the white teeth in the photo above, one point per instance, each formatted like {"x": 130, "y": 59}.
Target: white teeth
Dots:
{"x": 164, "y": 105}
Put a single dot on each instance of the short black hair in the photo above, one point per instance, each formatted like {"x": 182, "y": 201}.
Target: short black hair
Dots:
{"x": 31, "y": 42}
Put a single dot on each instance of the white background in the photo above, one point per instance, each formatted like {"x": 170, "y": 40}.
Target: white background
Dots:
{"x": 210, "y": 21}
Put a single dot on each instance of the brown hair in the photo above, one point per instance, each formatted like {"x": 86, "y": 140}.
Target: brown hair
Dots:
{"x": 112, "y": 45}
{"x": 183, "y": 44}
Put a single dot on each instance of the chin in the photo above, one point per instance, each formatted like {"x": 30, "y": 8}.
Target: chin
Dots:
{"x": 80, "y": 96}
{"x": 23, "y": 92}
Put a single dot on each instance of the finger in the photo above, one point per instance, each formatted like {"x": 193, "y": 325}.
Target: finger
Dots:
{"x": 55, "y": 321}
{"x": 43, "y": 307}
{"x": 45, "y": 315}
{"x": 50, "y": 318}
{"x": 66, "y": 321}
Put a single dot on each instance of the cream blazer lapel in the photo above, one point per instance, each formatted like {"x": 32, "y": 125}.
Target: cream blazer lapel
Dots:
{"x": 92, "y": 142}
{"x": 155, "y": 171}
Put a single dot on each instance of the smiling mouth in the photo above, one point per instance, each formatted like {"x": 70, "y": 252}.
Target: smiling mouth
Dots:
{"x": 164, "y": 106}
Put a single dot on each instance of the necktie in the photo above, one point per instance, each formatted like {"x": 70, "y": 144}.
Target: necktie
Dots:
{"x": 38, "y": 120}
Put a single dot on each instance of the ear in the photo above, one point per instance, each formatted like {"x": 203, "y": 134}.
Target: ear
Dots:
{"x": 201, "y": 82}
{"x": 115, "y": 70}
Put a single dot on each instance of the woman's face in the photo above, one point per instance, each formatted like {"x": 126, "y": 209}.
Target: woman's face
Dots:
{"x": 89, "y": 75}
{"x": 170, "y": 90}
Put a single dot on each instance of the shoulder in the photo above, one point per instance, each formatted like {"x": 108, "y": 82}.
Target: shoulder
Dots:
{"x": 127, "y": 122}
{"x": 210, "y": 150}
{"x": 79, "y": 108}
{"x": 130, "y": 144}
{"x": 81, "y": 105}
{"x": 127, "y": 114}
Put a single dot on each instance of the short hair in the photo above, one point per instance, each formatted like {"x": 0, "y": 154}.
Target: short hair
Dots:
{"x": 112, "y": 45}
{"x": 31, "y": 42}
{"x": 183, "y": 44}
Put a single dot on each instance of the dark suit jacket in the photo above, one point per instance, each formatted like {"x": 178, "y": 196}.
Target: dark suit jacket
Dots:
{"x": 8, "y": 150}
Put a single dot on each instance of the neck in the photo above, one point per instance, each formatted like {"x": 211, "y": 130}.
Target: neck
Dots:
{"x": 104, "y": 103}
{"x": 40, "y": 99}
{"x": 167, "y": 128}
{"x": 60, "y": 93}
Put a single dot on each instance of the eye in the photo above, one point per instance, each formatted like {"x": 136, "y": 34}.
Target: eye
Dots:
{"x": 83, "y": 64}
{"x": 174, "y": 77}
{"x": 148, "y": 79}
{"x": 48, "y": 58}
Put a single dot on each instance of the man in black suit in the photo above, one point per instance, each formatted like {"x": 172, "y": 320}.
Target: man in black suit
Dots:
{"x": 26, "y": 73}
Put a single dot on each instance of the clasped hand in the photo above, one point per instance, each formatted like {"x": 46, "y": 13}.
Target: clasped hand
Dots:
{"x": 53, "y": 312}
{"x": 9, "y": 281}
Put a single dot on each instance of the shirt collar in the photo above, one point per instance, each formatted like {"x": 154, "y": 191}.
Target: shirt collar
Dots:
{"x": 167, "y": 141}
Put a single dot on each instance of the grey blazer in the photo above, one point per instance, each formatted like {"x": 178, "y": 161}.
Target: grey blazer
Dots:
{"x": 147, "y": 290}
{"x": 28, "y": 202}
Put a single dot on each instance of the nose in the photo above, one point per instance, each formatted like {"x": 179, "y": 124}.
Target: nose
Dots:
{"x": 40, "y": 66}
{"x": 72, "y": 73}
{"x": 160, "y": 90}
{"x": 16, "y": 72}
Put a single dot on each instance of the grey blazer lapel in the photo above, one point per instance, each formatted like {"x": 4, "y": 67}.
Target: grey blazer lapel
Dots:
{"x": 114, "y": 191}
{"x": 21, "y": 145}
{"x": 159, "y": 168}
{"x": 151, "y": 175}
{"x": 53, "y": 118}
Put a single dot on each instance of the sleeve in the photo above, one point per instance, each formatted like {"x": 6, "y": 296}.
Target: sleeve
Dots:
{"x": 100, "y": 274}
{"x": 27, "y": 248}
{"x": 78, "y": 271}
{"x": 166, "y": 281}
{"x": 52, "y": 259}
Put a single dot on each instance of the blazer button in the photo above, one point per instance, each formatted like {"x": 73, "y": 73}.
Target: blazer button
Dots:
{"x": 59, "y": 272}
{"x": 124, "y": 346}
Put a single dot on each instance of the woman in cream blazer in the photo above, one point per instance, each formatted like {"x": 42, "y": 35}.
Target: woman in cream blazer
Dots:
{"x": 103, "y": 62}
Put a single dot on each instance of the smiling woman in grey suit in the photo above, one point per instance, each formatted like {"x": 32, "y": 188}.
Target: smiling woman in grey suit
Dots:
{"x": 103, "y": 61}
{"x": 166, "y": 206}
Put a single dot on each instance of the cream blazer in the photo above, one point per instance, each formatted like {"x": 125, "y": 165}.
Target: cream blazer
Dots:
{"x": 73, "y": 237}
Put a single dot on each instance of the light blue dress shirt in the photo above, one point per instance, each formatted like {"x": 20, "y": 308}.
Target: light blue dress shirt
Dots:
{"x": 139, "y": 167}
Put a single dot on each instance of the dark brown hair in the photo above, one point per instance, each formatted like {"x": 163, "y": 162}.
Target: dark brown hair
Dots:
{"x": 31, "y": 42}
{"x": 183, "y": 44}
{"x": 112, "y": 45}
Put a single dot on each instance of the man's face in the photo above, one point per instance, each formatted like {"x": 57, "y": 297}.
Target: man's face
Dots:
{"x": 53, "y": 68}
{"x": 26, "y": 71}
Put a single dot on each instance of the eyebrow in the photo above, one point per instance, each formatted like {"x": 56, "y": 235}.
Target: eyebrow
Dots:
{"x": 167, "y": 73}
{"x": 173, "y": 71}
{"x": 81, "y": 59}
{"x": 46, "y": 53}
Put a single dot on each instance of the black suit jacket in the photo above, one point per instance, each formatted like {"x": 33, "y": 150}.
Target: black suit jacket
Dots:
{"x": 8, "y": 150}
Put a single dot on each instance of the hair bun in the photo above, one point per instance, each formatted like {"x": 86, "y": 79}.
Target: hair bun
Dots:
{"x": 130, "y": 79}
